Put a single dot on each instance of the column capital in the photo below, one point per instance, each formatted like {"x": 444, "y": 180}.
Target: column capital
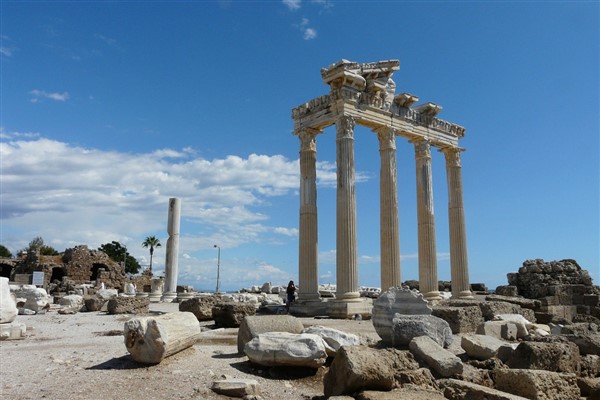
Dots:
{"x": 422, "y": 148}
{"x": 345, "y": 127}
{"x": 386, "y": 136}
{"x": 307, "y": 138}
{"x": 452, "y": 155}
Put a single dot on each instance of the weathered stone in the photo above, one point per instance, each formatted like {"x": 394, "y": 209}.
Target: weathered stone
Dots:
{"x": 236, "y": 387}
{"x": 435, "y": 356}
{"x": 590, "y": 365}
{"x": 334, "y": 339}
{"x": 460, "y": 319}
{"x": 396, "y": 301}
{"x": 481, "y": 347}
{"x": 588, "y": 386}
{"x": 412, "y": 393}
{"x": 521, "y": 323}
{"x": 286, "y": 349}
{"x": 421, "y": 378}
{"x": 478, "y": 376}
{"x": 149, "y": 340}
{"x": 8, "y": 306}
{"x": 507, "y": 290}
{"x": 71, "y": 301}
{"x": 522, "y": 302}
{"x": 93, "y": 303}
{"x": 230, "y": 315}
{"x": 36, "y": 299}
{"x": 587, "y": 344}
{"x": 489, "y": 309}
{"x": 12, "y": 330}
{"x": 201, "y": 307}
{"x": 407, "y": 327}
{"x": 128, "y": 305}
{"x": 455, "y": 389}
{"x": 359, "y": 368}
{"x": 537, "y": 384}
{"x": 498, "y": 329}
{"x": 253, "y": 325}
{"x": 556, "y": 357}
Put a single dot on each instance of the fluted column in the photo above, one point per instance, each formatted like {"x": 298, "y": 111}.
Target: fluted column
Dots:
{"x": 428, "y": 281}
{"x": 346, "y": 245}
{"x": 308, "y": 247}
{"x": 172, "y": 256}
{"x": 459, "y": 268}
{"x": 388, "y": 210}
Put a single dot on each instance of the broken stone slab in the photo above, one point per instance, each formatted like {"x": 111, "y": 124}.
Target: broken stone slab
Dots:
{"x": 334, "y": 339}
{"x": 12, "y": 330}
{"x": 71, "y": 301}
{"x": 498, "y": 329}
{"x": 538, "y": 384}
{"x": 286, "y": 349}
{"x": 128, "y": 305}
{"x": 407, "y": 327}
{"x": 8, "y": 306}
{"x": 507, "y": 291}
{"x": 360, "y": 368}
{"x": 555, "y": 357}
{"x": 435, "y": 356}
{"x": 460, "y": 319}
{"x": 412, "y": 393}
{"x": 587, "y": 344}
{"x": 26, "y": 311}
{"x": 93, "y": 303}
{"x": 521, "y": 322}
{"x": 253, "y": 325}
{"x": 481, "y": 347}
{"x": 201, "y": 307}
{"x": 230, "y": 315}
{"x": 520, "y": 301}
{"x": 36, "y": 299}
{"x": 234, "y": 387}
{"x": 455, "y": 389}
{"x": 396, "y": 301}
{"x": 149, "y": 340}
{"x": 590, "y": 365}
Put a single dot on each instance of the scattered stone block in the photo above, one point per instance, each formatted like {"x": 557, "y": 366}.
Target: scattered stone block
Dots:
{"x": 12, "y": 331}
{"x": 71, "y": 301}
{"x": 460, "y": 319}
{"x": 588, "y": 386}
{"x": 149, "y": 340}
{"x": 507, "y": 290}
{"x": 498, "y": 329}
{"x": 555, "y": 357}
{"x": 587, "y": 344}
{"x": 334, "y": 339}
{"x": 490, "y": 309}
{"x": 236, "y": 387}
{"x": 521, "y": 322}
{"x": 421, "y": 378}
{"x": 412, "y": 393}
{"x": 455, "y": 389}
{"x": 128, "y": 305}
{"x": 590, "y": 365}
{"x": 273, "y": 349}
{"x": 481, "y": 347}
{"x": 407, "y": 327}
{"x": 435, "y": 356}
{"x": 253, "y": 325}
{"x": 529, "y": 304}
{"x": 8, "y": 306}
{"x": 93, "y": 303}
{"x": 537, "y": 384}
{"x": 201, "y": 307}
{"x": 230, "y": 315}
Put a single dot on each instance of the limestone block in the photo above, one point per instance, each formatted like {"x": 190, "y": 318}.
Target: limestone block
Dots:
{"x": 359, "y": 368}
{"x": 236, "y": 387}
{"x": 71, "y": 301}
{"x": 411, "y": 393}
{"x": 481, "y": 347}
{"x": 589, "y": 386}
{"x": 460, "y": 319}
{"x": 421, "y": 377}
{"x": 8, "y": 306}
{"x": 253, "y": 325}
{"x": 286, "y": 349}
{"x": 128, "y": 305}
{"x": 590, "y": 365}
{"x": 230, "y": 315}
{"x": 530, "y": 304}
{"x": 587, "y": 344}
{"x": 407, "y": 327}
{"x": 107, "y": 294}
{"x": 455, "y": 389}
{"x": 12, "y": 330}
{"x": 151, "y": 339}
{"x": 266, "y": 287}
{"x": 556, "y": 357}
{"x": 498, "y": 329}
{"x": 334, "y": 339}
{"x": 93, "y": 303}
{"x": 36, "y": 299}
{"x": 396, "y": 301}
{"x": 201, "y": 307}
{"x": 489, "y": 309}
{"x": 538, "y": 385}
{"x": 435, "y": 356}
{"x": 26, "y": 311}
{"x": 521, "y": 322}
{"x": 509, "y": 291}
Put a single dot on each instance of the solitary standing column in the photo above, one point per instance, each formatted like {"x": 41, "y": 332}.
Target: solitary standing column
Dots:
{"x": 308, "y": 247}
{"x": 172, "y": 260}
{"x": 388, "y": 214}
{"x": 459, "y": 268}
{"x": 428, "y": 282}
{"x": 346, "y": 251}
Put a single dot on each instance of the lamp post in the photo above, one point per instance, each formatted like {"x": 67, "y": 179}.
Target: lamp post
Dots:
{"x": 218, "y": 266}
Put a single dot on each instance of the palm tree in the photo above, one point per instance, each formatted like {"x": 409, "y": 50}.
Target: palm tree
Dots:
{"x": 151, "y": 242}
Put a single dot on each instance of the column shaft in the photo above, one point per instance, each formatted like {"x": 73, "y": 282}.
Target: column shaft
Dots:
{"x": 388, "y": 214}
{"x": 459, "y": 268}
{"x": 172, "y": 256}
{"x": 346, "y": 249}
{"x": 428, "y": 281}
{"x": 308, "y": 240}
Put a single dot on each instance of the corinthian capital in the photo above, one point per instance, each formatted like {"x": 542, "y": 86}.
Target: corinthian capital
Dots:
{"x": 387, "y": 138}
{"x": 422, "y": 148}
{"x": 308, "y": 141}
{"x": 452, "y": 155}
{"x": 345, "y": 127}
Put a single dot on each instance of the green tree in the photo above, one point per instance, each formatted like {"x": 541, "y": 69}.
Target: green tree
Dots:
{"x": 48, "y": 251}
{"x": 5, "y": 252}
{"x": 35, "y": 245}
{"x": 151, "y": 242}
{"x": 117, "y": 252}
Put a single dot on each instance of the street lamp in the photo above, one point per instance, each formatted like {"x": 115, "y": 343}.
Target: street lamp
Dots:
{"x": 218, "y": 266}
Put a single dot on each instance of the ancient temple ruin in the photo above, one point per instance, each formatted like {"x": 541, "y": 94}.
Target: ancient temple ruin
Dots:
{"x": 364, "y": 94}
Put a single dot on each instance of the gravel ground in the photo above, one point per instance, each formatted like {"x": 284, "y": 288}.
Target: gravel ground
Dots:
{"x": 83, "y": 356}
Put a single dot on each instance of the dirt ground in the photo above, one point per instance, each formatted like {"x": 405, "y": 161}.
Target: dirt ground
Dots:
{"x": 83, "y": 356}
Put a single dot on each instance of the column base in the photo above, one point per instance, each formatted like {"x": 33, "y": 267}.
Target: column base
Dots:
{"x": 309, "y": 297}
{"x": 348, "y": 296}
{"x": 432, "y": 296}
{"x": 155, "y": 297}
{"x": 185, "y": 296}
{"x": 309, "y": 308}
{"x": 169, "y": 297}
{"x": 348, "y": 309}
{"x": 465, "y": 294}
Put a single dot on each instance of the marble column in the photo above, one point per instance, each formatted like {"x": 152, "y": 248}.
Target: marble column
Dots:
{"x": 308, "y": 240}
{"x": 459, "y": 268}
{"x": 171, "y": 264}
{"x": 428, "y": 281}
{"x": 388, "y": 210}
{"x": 346, "y": 244}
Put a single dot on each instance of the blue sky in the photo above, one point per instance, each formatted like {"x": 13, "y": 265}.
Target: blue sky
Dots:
{"x": 108, "y": 109}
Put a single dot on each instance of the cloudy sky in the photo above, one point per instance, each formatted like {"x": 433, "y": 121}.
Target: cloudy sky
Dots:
{"x": 108, "y": 109}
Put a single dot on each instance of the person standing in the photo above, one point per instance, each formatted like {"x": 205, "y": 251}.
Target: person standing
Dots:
{"x": 291, "y": 295}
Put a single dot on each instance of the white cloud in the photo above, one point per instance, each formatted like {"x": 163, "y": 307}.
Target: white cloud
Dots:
{"x": 39, "y": 94}
{"x": 5, "y": 51}
{"x": 310, "y": 33}
{"x": 292, "y": 5}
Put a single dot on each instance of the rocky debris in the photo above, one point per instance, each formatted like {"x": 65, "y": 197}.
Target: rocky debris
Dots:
{"x": 230, "y": 315}
{"x": 460, "y": 319}
{"x": 507, "y": 290}
{"x": 590, "y": 365}
{"x": 407, "y": 327}
{"x": 233, "y": 387}
{"x": 435, "y": 356}
{"x": 201, "y": 307}
{"x": 556, "y": 357}
{"x": 71, "y": 301}
{"x": 151, "y": 339}
{"x": 420, "y": 378}
{"x": 520, "y": 322}
{"x": 93, "y": 303}
{"x": 589, "y": 387}
{"x": 498, "y": 329}
{"x": 537, "y": 384}
{"x": 286, "y": 349}
{"x": 253, "y": 325}
{"x": 35, "y": 299}
{"x": 587, "y": 343}
{"x": 12, "y": 330}
{"x": 8, "y": 306}
{"x": 396, "y": 301}
{"x": 455, "y": 389}
{"x": 481, "y": 347}
{"x": 334, "y": 339}
{"x": 360, "y": 368}
{"x": 520, "y": 301}
{"x": 412, "y": 393}
{"x": 128, "y": 305}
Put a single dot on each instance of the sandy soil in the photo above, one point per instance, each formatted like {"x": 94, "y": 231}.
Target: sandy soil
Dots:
{"x": 83, "y": 356}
